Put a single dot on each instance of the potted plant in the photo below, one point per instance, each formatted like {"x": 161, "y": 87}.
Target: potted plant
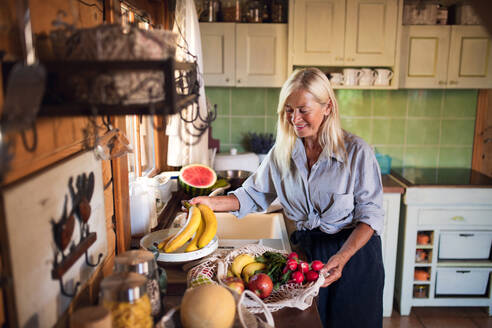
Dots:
{"x": 259, "y": 143}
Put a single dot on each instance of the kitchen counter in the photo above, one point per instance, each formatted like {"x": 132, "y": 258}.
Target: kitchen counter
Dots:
{"x": 390, "y": 185}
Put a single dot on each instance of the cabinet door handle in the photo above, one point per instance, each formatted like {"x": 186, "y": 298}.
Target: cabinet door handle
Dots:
{"x": 463, "y": 271}
{"x": 441, "y": 82}
{"x": 453, "y": 82}
{"x": 239, "y": 81}
{"x": 458, "y": 218}
{"x": 467, "y": 234}
{"x": 227, "y": 79}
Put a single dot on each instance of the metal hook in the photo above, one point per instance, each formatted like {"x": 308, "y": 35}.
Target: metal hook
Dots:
{"x": 31, "y": 148}
{"x": 107, "y": 122}
{"x": 99, "y": 257}
{"x": 152, "y": 113}
{"x": 64, "y": 292}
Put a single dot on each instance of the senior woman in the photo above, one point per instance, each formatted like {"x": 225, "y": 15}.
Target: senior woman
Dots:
{"x": 328, "y": 181}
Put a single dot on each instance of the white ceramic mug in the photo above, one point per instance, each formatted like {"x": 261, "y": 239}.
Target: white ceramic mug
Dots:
{"x": 383, "y": 76}
{"x": 336, "y": 78}
{"x": 351, "y": 76}
{"x": 367, "y": 77}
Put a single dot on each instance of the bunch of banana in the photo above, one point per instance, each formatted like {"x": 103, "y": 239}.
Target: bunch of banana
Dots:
{"x": 245, "y": 266}
{"x": 201, "y": 222}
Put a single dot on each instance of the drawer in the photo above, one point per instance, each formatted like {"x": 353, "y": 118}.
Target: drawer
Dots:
{"x": 462, "y": 281}
{"x": 466, "y": 245}
{"x": 455, "y": 217}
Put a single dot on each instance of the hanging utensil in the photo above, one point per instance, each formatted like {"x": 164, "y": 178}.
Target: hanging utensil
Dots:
{"x": 26, "y": 82}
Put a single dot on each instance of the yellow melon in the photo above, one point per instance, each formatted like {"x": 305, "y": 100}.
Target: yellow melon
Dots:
{"x": 208, "y": 306}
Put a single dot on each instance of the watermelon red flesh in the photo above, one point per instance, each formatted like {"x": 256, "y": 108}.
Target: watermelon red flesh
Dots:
{"x": 197, "y": 179}
{"x": 198, "y": 176}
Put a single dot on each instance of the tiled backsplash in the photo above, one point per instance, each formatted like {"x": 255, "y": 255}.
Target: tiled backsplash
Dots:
{"x": 417, "y": 128}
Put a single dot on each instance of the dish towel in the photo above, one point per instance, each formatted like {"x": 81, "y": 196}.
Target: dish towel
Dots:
{"x": 184, "y": 146}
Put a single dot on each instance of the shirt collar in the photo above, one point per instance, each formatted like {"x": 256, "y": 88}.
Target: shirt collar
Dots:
{"x": 300, "y": 151}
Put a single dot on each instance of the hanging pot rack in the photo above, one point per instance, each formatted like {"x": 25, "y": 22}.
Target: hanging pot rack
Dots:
{"x": 174, "y": 101}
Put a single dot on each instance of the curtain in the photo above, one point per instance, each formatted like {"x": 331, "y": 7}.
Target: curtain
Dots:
{"x": 184, "y": 146}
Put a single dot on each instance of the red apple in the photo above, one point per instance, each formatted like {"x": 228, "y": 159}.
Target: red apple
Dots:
{"x": 261, "y": 285}
{"x": 234, "y": 283}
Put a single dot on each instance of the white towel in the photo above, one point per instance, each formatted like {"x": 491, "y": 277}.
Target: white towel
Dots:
{"x": 183, "y": 147}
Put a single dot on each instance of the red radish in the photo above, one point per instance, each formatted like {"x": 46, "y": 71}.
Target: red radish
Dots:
{"x": 291, "y": 264}
{"x": 293, "y": 255}
{"x": 316, "y": 265}
{"x": 297, "y": 277}
{"x": 303, "y": 267}
{"x": 311, "y": 276}
{"x": 285, "y": 269}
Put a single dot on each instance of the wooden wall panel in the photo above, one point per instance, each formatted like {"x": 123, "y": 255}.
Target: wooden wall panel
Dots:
{"x": 2, "y": 314}
{"x": 57, "y": 137}
{"x": 482, "y": 143}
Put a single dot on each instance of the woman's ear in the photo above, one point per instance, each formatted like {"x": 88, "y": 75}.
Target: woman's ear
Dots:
{"x": 327, "y": 108}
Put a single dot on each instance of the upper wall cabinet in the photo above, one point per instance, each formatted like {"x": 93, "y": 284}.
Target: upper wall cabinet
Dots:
{"x": 452, "y": 56}
{"x": 244, "y": 55}
{"x": 345, "y": 32}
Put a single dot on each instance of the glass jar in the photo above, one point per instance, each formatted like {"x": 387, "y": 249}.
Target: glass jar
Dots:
{"x": 143, "y": 262}
{"x": 231, "y": 11}
{"x": 278, "y": 11}
{"x": 124, "y": 294}
{"x": 420, "y": 291}
{"x": 254, "y": 14}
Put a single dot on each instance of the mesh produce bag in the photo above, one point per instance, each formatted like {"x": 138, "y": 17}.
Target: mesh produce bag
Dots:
{"x": 214, "y": 268}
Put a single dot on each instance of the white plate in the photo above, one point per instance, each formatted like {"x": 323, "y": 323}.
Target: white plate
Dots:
{"x": 180, "y": 256}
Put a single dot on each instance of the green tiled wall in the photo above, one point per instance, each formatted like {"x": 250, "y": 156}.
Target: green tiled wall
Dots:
{"x": 417, "y": 128}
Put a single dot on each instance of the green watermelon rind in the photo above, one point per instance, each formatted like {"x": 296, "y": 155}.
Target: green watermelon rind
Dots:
{"x": 194, "y": 191}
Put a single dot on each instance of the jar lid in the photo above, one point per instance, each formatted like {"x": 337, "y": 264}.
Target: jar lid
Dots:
{"x": 139, "y": 261}
{"x": 123, "y": 286}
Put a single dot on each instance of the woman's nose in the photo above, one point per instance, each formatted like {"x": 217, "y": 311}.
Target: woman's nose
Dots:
{"x": 296, "y": 116}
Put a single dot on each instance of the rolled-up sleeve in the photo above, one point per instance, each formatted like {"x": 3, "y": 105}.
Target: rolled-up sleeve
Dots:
{"x": 257, "y": 192}
{"x": 368, "y": 191}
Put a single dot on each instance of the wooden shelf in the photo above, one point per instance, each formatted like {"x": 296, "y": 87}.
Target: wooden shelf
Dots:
{"x": 424, "y": 246}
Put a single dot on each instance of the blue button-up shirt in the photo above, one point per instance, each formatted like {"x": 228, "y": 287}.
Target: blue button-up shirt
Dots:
{"x": 333, "y": 195}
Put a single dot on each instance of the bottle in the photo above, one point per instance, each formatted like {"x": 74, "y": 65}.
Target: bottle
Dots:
{"x": 278, "y": 12}
{"x": 254, "y": 13}
{"x": 229, "y": 11}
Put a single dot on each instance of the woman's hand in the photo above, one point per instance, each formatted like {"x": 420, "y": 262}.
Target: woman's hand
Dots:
{"x": 217, "y": 203}
{"x": 201, "y": 200}
{"x": 334, "y": 267}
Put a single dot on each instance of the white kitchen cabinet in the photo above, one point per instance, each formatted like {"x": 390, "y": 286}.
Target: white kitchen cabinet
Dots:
{"x": 218, "y": 47}
{"x": 452, "y": 226}
{"x": 344, "y": 32}
{"x": 389, "y": 241}
{"x": 244, "y": 55}
{"x": 445, "y": 56}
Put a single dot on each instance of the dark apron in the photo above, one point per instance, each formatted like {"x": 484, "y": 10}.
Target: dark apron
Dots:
{"x": 356, "y": 299}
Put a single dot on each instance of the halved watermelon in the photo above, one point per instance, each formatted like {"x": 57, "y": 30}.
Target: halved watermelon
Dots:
{"x": 197, "y": 179}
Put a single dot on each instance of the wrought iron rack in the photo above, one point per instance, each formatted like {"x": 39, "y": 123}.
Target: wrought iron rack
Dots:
{"x": 175, "y": 98}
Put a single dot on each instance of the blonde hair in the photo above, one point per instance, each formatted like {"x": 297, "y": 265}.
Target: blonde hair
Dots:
{"x": 330, "y": 135}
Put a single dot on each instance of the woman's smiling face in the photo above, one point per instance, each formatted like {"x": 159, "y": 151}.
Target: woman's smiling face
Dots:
{"x": 305, "y": 113}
